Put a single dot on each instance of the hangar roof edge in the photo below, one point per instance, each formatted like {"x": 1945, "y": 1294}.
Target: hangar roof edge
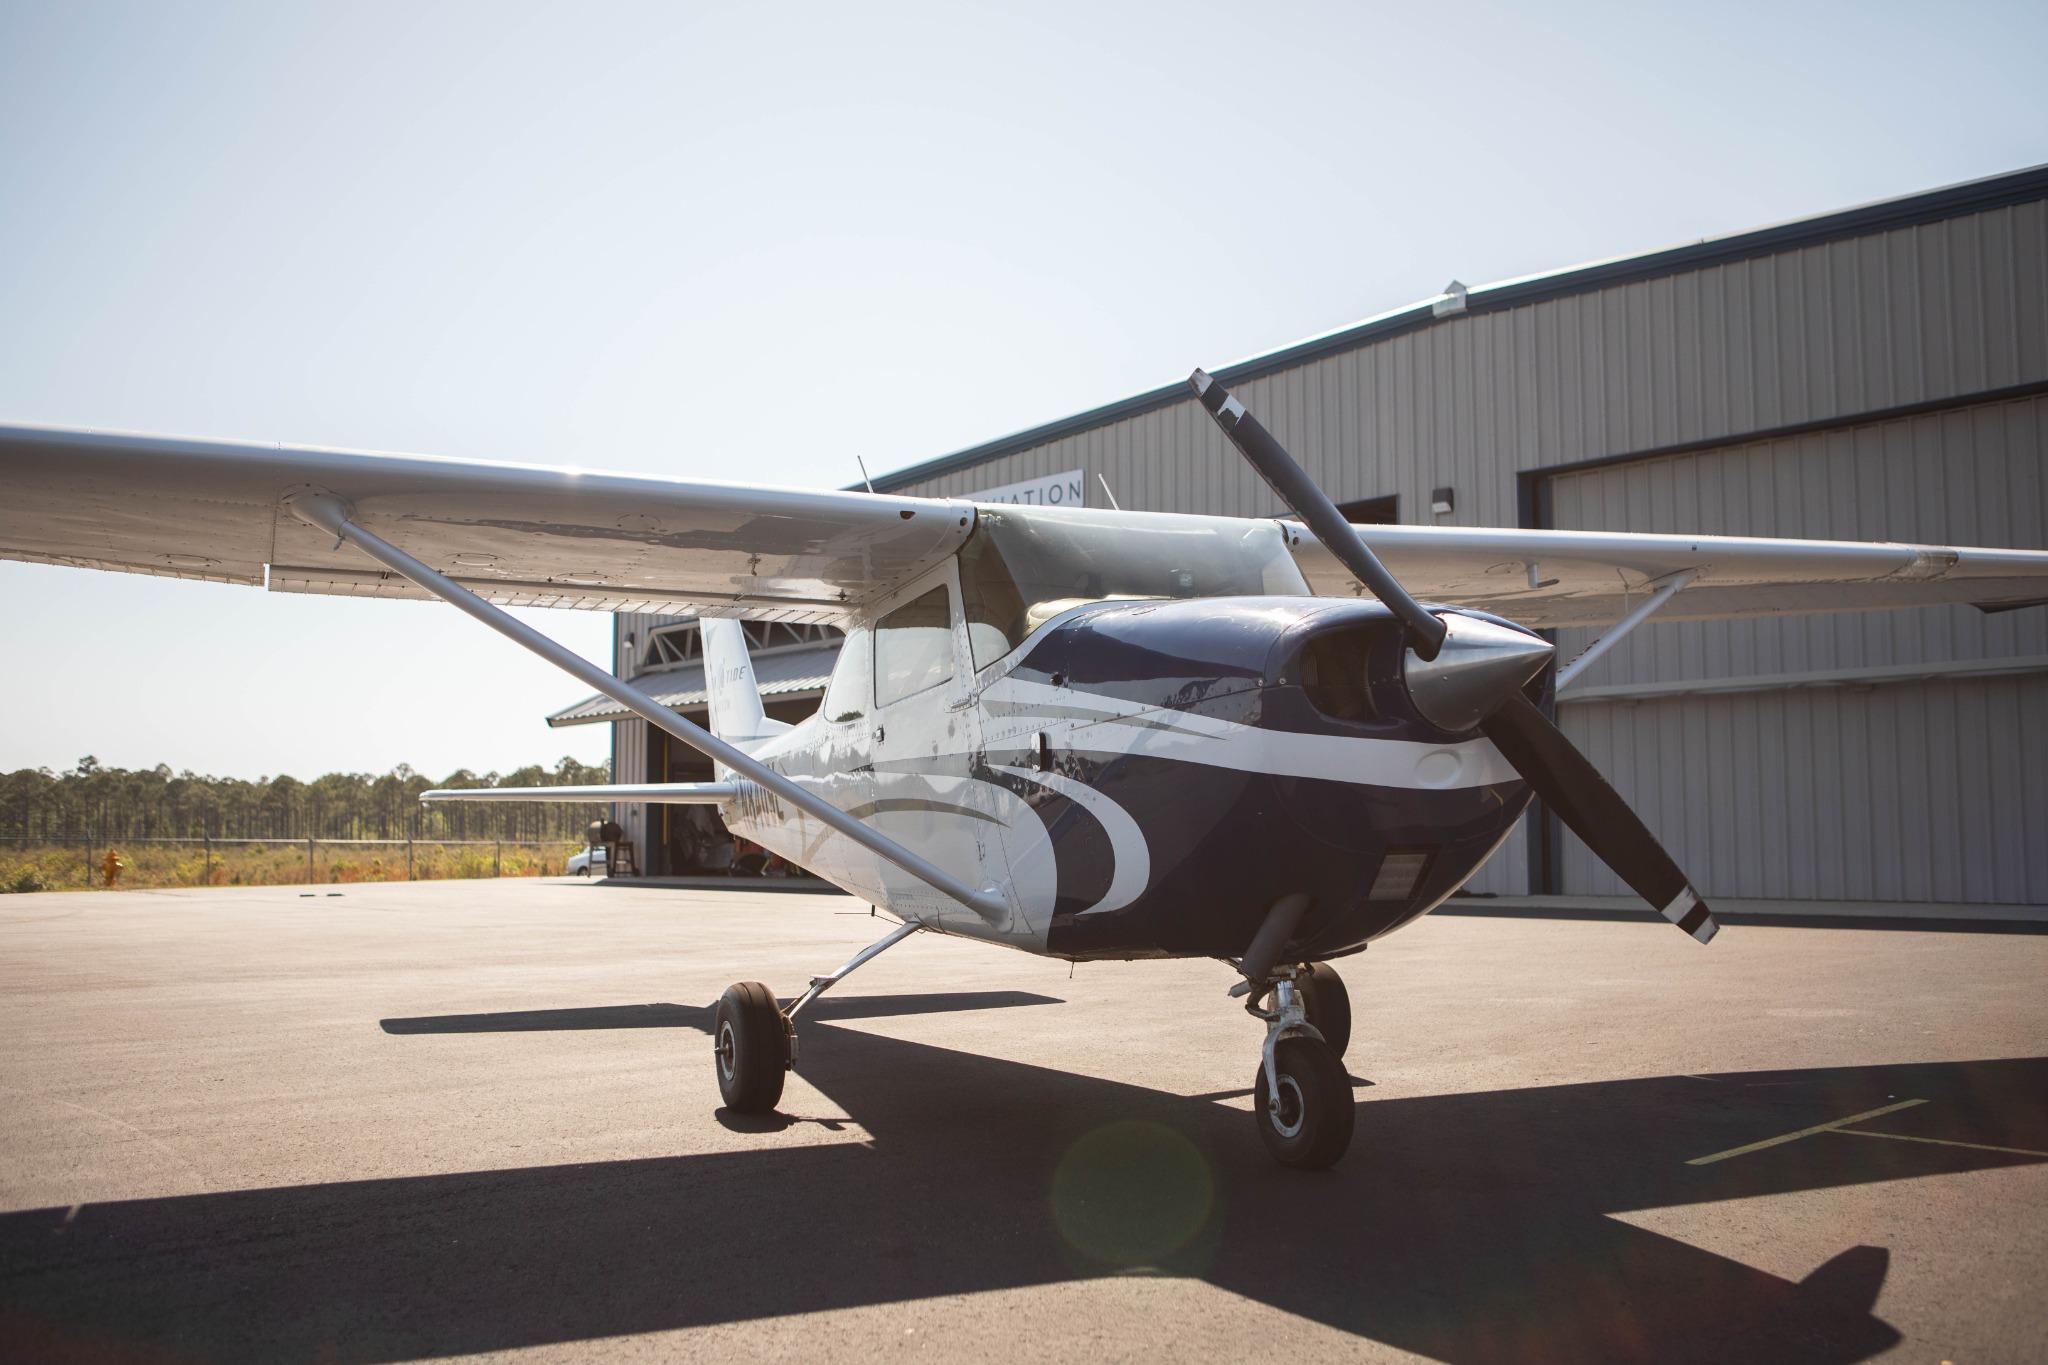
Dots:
{"x": 784, "y": 673}
{"x": 1969, "y": 196}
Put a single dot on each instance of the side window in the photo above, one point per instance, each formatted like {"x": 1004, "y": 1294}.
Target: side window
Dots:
{"x": 846, "y": 696}
{"x": 914, "y": 647}
{"x": 989, "y": 599}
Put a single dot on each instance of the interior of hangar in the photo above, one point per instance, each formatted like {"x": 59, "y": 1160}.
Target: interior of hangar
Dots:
{"x": 663, "y": 655}
{"x": 1874, "y": 373}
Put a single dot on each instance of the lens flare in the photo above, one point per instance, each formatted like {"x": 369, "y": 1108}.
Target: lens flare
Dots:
{"x": 1132, "y": 1193}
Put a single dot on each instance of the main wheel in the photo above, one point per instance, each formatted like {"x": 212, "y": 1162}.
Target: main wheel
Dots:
{"x": 1327, "y": 1004}
{"x": 1311, "y": 1127}
{"x": 751, "y": 1041}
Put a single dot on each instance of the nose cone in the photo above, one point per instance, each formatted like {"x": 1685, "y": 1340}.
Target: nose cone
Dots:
{"x": 1479, "y": 664}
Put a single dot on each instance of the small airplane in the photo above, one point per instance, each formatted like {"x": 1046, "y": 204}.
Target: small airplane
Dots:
{"x": 1056, "y": 729}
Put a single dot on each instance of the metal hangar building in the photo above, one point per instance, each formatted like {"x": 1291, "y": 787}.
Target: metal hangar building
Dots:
{"x": 1878, "y": 373}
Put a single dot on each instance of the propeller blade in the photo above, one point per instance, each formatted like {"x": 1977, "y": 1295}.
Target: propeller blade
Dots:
{"x": 1299, "y": 492}
{"x": 1477, "y": 682}
{"x": 1574, "y": 788}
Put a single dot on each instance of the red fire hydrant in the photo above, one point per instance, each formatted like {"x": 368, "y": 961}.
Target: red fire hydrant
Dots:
{"x": 110, "y": 867}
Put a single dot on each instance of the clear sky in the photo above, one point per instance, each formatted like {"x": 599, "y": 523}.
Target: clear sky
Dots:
{"x": 756, "y": 242}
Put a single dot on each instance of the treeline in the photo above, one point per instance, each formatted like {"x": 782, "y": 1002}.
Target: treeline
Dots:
{"x": 106, "y": 804}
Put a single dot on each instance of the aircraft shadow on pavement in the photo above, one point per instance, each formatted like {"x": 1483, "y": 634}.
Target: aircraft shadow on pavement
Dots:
{"x": 1470, "y": 1228}
{"x": 824, "y": 1008}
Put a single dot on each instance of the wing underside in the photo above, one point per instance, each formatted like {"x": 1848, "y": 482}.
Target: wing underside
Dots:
{"x": 527, "y": 536}
{"x": 1592, "y": 578}
{"x": 517, "y": 535}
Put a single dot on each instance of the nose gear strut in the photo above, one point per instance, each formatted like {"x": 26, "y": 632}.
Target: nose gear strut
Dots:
{"x": 1301, "y": 1099}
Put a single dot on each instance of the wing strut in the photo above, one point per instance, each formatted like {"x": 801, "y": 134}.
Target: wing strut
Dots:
{"x": 654, "y": 793}
{"x": 330, "y": 514}
{"x": 1671, "y": 588}
{"x": 821, "y": 984}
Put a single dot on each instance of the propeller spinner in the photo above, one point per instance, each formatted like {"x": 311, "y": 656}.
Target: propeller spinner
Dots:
{"x": 1463, "y": 673}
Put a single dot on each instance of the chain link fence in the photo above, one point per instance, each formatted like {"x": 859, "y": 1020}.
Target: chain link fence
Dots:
{"x": 83, "y": 863}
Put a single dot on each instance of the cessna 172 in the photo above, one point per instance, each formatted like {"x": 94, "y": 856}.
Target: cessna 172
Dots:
{"x": 1053, "y": 729}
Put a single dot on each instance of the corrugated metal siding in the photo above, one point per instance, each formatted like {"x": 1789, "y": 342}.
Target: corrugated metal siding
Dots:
{"x": 633, "y": 740}
{"x": 1897, "y": 792}
{"x": 1924, "y": 792}
{"x": 789, "y": 673}
{"x": 1913, "y": 315}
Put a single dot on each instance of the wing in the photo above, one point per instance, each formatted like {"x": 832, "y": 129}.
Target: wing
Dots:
{"x": 1592, "y": 578}
{"x": 516, "y": 534}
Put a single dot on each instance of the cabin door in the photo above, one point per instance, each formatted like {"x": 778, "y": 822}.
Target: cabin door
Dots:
{"x": 924, "y": 737}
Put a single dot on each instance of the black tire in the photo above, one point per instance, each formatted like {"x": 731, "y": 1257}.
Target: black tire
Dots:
{"x": 750, "y": 1048}
{"x": 1327, "y": 1004}
{"x": 1313, "y": 1128}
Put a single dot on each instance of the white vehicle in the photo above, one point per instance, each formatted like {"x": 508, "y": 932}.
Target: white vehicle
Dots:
{"x": 587, "y": 863}
{"x": 1081, "y": 733}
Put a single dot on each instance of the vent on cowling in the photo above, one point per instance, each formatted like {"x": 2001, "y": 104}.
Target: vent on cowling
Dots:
{"x": 1333, "y": 673}
{"x": 1401, "y": 871}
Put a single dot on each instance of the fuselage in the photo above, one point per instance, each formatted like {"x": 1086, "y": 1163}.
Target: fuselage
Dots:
{"x": 1140, "y": 778}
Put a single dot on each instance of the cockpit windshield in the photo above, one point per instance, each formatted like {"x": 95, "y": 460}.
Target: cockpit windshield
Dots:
{"x": 1025, "y": 565}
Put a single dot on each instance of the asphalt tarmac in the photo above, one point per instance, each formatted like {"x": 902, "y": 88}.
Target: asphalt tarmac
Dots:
{"x": 461, "y": 1117}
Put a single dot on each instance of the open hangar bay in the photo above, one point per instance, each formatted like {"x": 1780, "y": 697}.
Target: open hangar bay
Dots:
{"x": 1876, "y": 373}
{"x": 447, "y": 1118}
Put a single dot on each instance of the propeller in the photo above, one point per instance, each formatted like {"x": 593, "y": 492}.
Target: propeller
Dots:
{"x": 1570, "y": 785}
{"x": 1463, "y": 673}
{"x": 1425, "y": 632}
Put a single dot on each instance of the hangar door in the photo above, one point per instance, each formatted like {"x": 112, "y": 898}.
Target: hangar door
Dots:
{"x": 1886, "y": 756}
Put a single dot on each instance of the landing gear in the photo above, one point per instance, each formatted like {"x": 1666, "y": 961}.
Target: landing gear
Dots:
{"x": 1327, "y": 1003}
{"x": 1301, "y": 1100}
{"x": 751, "y": 1040}
{"x": 1306, "y": 1121}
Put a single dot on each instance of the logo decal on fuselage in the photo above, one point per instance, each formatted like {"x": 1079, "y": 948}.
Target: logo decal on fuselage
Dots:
{"x": 1131, "y": 856}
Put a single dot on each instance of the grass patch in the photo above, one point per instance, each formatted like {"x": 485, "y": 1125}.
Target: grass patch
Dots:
{"x": 54, "y": 868}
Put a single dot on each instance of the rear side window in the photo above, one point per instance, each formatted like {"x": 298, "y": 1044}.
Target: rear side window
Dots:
{"x": 846, "y": 697}
{"x": 914, "y": 647}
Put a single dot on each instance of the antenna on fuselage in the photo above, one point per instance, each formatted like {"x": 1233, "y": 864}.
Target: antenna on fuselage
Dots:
{"x": 864, "y": 473}
{"x": 1106, "y": 493}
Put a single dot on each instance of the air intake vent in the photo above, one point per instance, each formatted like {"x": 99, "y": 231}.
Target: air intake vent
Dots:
{"x": 1333, "y": 674}
{"x": 1401, "y": 871}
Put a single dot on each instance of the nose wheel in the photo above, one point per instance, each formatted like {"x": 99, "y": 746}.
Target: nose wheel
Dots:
{"x": 1304, "y": 1107}
{"x": 1301, "y": 1100}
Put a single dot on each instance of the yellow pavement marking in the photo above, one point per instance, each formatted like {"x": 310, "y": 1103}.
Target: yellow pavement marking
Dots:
{"x": 1803, "y": 1132}
{"x": 1942, "y": 1142}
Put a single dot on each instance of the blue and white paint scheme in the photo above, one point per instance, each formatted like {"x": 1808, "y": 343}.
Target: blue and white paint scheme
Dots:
{"x": 1138, "y": 777}
{"x": 1147, "y": 780}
